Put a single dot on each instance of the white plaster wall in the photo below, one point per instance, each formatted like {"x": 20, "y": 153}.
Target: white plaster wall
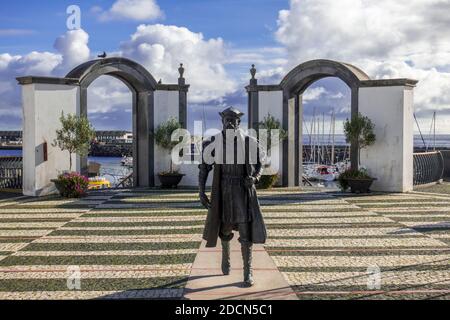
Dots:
{"x": 191, "y": 179}
{"x": 166, "y": 107}
{"x": 191, "y": 171}
{"x": 42, "y": 108}
{"x": 271, "y": 102}
{"x": 390, "y": 159}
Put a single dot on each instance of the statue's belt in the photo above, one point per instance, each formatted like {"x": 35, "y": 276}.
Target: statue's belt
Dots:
{"x": 229, "y": 178}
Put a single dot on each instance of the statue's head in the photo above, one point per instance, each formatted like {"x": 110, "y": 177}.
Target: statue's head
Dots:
{"x": 231, "y": 118}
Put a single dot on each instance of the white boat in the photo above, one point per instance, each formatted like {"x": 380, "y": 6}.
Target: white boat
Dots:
{"x": 127, "y": 161}
{"x": 321, "y": 172}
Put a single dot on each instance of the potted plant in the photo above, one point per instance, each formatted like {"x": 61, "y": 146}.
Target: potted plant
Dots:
{"x": 269, "y": 177}
{"x": 75, "y": 135}
{"x": 359, "y": 131}
{"x": 358, "y": 180}
{"x": 267, "y": 181}
{"x": 163, "y": 138}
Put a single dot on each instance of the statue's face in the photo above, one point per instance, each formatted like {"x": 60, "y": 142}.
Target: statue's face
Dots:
{"x": 231, "y": 123}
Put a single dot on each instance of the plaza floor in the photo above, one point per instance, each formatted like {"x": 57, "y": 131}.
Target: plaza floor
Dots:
{"x": 143, "y": 244}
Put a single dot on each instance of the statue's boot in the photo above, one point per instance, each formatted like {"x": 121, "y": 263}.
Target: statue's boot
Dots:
{"x": 248, "y": 270}
{"x": 226, "y": 257}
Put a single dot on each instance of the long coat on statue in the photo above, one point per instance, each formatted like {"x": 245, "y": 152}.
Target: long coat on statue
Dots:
{"x": 213, "y": 220}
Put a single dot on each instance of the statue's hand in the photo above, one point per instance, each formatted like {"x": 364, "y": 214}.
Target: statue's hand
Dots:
{"x": 204, "y": 200}
{"x": 250, "y": 181}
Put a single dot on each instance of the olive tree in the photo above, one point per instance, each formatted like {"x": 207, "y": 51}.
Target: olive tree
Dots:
{"x": 75, "y": 135}
{"x": 359, "y": 131}
{"x": 271, "y": 123}
{"x": 163, "y": 136}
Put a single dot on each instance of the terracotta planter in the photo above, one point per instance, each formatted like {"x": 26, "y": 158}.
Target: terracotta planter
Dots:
{"x": 59, "y": 186}
{"x": 360, "y": 185}
{"x": 170, "y": 181}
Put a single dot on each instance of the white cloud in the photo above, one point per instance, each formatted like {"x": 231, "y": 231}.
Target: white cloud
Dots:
{"x": 161, "y": 48}
{"x": 73, "y": 46}
{"x": 138, "y": 10}
{"x": 405, "y": 38}
{"x": 107, "y": 94}
{"x": 42, "y": 63}
{"x": 413, "y": 30}
{"x": 314, "y": 94}
{"x": 265, "y": 56}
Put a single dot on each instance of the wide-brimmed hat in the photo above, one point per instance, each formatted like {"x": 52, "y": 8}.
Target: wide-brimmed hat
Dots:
{"x": 231, "y": 113}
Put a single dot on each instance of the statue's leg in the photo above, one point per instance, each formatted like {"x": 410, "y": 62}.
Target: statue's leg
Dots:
{"x": 246, "y": 248}
{"x": 226, "y": 234}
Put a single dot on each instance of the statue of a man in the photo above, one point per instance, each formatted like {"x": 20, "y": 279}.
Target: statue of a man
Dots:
{"x": 234, "y": 205}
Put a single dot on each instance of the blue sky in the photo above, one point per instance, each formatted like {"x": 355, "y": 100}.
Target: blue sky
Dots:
{"x": 219, "y": 40}
{"x": 251, "y": 25}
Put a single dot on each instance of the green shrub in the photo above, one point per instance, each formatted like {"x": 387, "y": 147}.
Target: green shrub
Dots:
{"x": 72, "y": 185}
{"x": 267, "y": 181}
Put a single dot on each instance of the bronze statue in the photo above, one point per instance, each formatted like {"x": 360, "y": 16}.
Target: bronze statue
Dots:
{"x": 234, "y": 204}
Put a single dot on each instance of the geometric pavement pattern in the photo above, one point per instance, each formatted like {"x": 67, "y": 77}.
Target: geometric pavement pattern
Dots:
{"x": 141, "y": 244}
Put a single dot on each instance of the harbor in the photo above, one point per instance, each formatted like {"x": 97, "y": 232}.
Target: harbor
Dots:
{"x": 321, "y": 166}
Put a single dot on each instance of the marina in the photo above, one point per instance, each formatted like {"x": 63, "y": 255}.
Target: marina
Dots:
{"x": 321, "y": 173}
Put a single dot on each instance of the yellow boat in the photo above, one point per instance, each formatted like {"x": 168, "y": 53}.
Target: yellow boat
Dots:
{"x": 99, "y": 183}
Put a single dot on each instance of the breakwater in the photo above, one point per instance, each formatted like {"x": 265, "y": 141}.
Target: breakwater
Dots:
{"x": 111, "y": 150}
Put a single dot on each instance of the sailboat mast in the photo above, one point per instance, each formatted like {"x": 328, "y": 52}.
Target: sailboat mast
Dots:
{"x": 323, "y": 138}
{"x": 434, "y": 131}
{"x": 420, "y": 131}
{"x": 313, "y": 131}
{"x": 333, "y": 130}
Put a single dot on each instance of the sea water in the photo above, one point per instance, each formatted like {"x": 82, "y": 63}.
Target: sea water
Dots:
{"x": 111, "y": 167}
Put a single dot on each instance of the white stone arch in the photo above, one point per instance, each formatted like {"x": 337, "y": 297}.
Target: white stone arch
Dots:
{"x": 44, "y": 98}
{"x": 389, "y": 104}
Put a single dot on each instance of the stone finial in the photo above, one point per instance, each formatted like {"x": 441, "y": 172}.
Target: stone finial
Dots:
{"x": 253, "y": 72}
{"x": 160, "y": 81}
{"x": 181, "y": 71}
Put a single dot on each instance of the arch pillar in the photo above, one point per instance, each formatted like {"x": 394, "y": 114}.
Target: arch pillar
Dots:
{"x": 390, "y": 106}
{"x": 44, "y": 99}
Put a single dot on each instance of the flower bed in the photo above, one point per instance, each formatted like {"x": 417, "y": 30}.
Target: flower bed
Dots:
{"x": 72, "y": 185}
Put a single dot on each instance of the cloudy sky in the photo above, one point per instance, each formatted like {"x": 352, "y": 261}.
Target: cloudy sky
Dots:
{"x": 219, "y": 40}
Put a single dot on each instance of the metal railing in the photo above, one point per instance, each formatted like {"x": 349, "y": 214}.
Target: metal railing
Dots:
{"x": 127, "y": 182}
{"x": 11, "y": 172}
{"x": 446, "y": 156}
{"x": 428, "y": 167}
